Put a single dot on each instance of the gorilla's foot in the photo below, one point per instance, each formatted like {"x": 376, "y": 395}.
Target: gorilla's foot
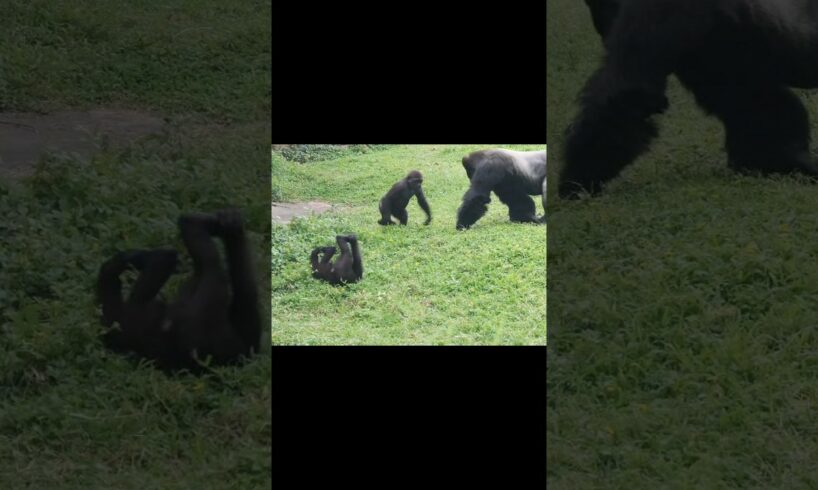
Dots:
{"x": 575, "y": 189}
{"x": 524, "y": 219}
{"x": 229, "y": 222}
{"x": 802, "y": 163}
{"x": 807, "y": 165}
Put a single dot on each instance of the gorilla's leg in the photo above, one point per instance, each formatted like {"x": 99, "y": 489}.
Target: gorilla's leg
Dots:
{"x": 521, "y": 207}
{"x": 402, "y": 215}
{"x": 767, "y": 127}
{"x": 344, "y": 271}
{"x": 357, "y": 262}
{"x": 245, "y": 317}
{"x": 207, "y": 290}
{"x": 544, "y": 212}
{"x": 201, "y": 316}
{"x": 386, "y": 213}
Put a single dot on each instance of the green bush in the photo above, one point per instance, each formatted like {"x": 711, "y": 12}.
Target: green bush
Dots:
{"x": 311, "y": 153}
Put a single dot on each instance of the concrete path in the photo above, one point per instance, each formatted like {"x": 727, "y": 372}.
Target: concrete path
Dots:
{"x": 26, "y": 137}
{"x": 284, "y": 212}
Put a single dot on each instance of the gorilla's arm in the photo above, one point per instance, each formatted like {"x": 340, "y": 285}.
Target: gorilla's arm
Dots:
{"x": 603, "y": 13}
{"x": 109, "y": 289}
{"x": 322, "y": 269}
{"x": 474, "y": 204}
{"x": 544, "y": 209}
{"x": 314, "y": 258}
{"x": 424, "y": 205}
{"x": 155, "y": 268}
{"x": 141, "y": 316}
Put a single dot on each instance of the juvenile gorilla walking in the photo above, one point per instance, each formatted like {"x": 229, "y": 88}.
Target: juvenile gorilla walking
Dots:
{"x": 206, "y": 320}
{"x": 512, "y": 175}
{"x": 347, "y": 268}
{"x": 395, "y": 201}
{"x": 737, "y": 57}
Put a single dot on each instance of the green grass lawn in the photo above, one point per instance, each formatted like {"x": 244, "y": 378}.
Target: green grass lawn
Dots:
{"x": 202, "y": 56}
{"x": 422, "y": 284}
{"x": 684, "y": 315}
{"x": 72, "y": 415}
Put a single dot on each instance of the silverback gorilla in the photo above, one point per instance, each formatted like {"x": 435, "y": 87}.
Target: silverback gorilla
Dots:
{"x": 397, "y": 198}
{"x": 737, "y": 57}
{"x": 214, "y": 315}
{"x": 512, "y": 175}
{"x": 347, "y": 268}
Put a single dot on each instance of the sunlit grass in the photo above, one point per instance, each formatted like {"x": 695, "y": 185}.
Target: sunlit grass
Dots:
{"x": 422, "y": 284}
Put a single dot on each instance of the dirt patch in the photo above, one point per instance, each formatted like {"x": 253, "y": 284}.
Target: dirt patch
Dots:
{"x": 284, "y": 212}
{"x": 26, "y": 137}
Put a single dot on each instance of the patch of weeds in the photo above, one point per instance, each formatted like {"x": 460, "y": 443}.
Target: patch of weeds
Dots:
{"x": 311, "y": 153}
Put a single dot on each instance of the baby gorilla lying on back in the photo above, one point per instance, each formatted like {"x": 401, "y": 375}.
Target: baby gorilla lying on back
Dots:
{"x": 216, "y": 313}
{"x": 346, "y": 269}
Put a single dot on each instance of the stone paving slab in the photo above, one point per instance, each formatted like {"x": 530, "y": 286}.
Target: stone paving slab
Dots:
{"x": 285, "y": 212}
{"x": 26, "y": 137}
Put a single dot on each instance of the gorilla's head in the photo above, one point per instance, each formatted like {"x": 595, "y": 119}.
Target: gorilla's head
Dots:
{"x": 414, "y": 179}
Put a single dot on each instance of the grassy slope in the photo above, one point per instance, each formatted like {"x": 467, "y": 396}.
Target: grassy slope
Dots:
{"x": 73, "y": 416}
{"x": 422, "y": 285}
{"x": 183, "y": 55}
{"x": 684, "y": 330}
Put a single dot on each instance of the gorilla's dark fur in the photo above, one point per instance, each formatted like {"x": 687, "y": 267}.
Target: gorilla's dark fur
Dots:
{"x": 215, "y": 315}
{"x": 347, "y": 268}
{"x": 397, "y": 198}
{"x": 737, "y": 57}
{"x": 512, "y": 175}
{"x": 322, "y": 269}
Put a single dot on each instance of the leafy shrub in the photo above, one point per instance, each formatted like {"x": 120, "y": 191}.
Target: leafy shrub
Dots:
{"x": 312, "y": 153}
